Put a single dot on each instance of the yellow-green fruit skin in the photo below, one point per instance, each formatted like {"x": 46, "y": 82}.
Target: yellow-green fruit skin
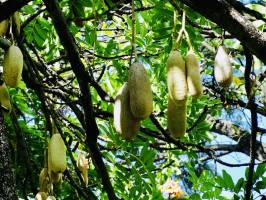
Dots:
{"x": 5, "y": 98}
{"x": 56, "y": 154}
{"x": 124, "y": 122}
{"x": 51, "y": 198}
{"x": 3, "y": 27}
{"x": 44, "y": 180}
{"x": 176, "y": 76}
{"x": 17, "y": 21}
{"x": 41, "y": 196}
{"x": 13, "y": 65}
{"x": 176, "y": 117}
{"x": 222, "y": 68}
{"x": 140, "y": 91}
{"x": 193, "y": 75}
{"x": 82, "y": 164}
{"x": 84, "y": 174}
{"x": 56, "y": 177}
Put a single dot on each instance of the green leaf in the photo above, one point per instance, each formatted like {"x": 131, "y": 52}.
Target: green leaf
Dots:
{"x": 228, "y": 180}
{"x": 260, "y": 185}
{"x": 259, "y": 171}
{"x": 195, "y": 196}
{"x": 239, "y": 185}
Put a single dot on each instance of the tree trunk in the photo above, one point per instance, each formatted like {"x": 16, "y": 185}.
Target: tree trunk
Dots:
{"x": 7, "y": 182}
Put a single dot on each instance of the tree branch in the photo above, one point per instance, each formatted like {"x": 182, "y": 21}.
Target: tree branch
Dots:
{"x": 227, "y": 17}
{"x": 78, "y": 68}
{"x": 9, "y": 7}
{"x": 241, "y": 136}
{"x": 254, "y": 124}
{"x": 7, "y": 181}
{"x": 242, "y": 8}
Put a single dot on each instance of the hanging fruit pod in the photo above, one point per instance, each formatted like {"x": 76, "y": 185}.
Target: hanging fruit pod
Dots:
{"x": 5, "y": 98}
{"x": 83, "y": 165}
{"x": 140, "y": 92}
{"x": 56, "y": 154}
{"x": 16, "y": 20}
{"x": 124, "y": 121}
{"x": 176, "y": 77}
{"x": 222, "y": 68}
{"x": 4, "y": 27}
{"x": 13, "y": 65}
{"x": 177, "y": 117}
{"x": 193, "y": 75}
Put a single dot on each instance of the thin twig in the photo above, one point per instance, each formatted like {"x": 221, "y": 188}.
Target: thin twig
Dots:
{"x": 133, "y": 42}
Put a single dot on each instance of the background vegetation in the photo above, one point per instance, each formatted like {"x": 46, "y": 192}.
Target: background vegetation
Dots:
{"x": 76, "y": 57}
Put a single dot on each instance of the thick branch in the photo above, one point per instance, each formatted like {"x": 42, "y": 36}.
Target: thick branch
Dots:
{"x": 9, "y": 7}
{"x": 224, "y": 15}
{"x": 7, "y": 181}
{"x": 91, "y": 128}
{"x": 23, "y": 153}
{"x": 239, "y": 135}
{"x": 242, "y": 8}
{"x": 254, "y": 124}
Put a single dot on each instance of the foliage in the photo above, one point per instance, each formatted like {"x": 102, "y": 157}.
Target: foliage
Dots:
{"x": 139, "y": 168}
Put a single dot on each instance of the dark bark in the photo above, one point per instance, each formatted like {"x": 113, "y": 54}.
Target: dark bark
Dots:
{"x": 254, "y": 124}
{"x": 83, "y": 79}
{"x": 7, "y": 181}
{"x": 239, "y": 135}
{"x": 9, "y": 7}
{"x": 23, "y": 154}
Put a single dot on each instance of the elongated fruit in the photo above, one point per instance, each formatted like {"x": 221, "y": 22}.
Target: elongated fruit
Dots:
{"x": 222, "y": 68}
{"x": 13, "y": 65}
{"x": 44, "y": 180}
{"x": 5, "y": 98}
{"x": 17, "y": 20}
{"x": 3, "y": 27}
{"x": 83, "y": 165}
{"x": 193, "y": 75}
{"x": 124, "y": 122}
{"x": 140, "y": 91}
{"x": 56, "y": 154}
{"x": 176, "y": 117}
{"x": 176, "y": 76}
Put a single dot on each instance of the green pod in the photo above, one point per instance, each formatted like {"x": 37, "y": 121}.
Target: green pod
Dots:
{"x": 124, "y": 121}
{"x": 140, "y": 92}
{"x": 176, "y": 76}
{"x": 177, "y": 117}
{"x": 13, "y": 65}
{"x": 193, "y": 75}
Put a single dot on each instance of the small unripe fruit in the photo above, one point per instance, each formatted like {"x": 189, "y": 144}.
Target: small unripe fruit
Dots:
{"x": 16, "y": 19}
{"x": 83, "y": 165}
{"x": 3, "y": 27}
{"x": 5, "y": 98}
{"x": 44, "y": 180}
